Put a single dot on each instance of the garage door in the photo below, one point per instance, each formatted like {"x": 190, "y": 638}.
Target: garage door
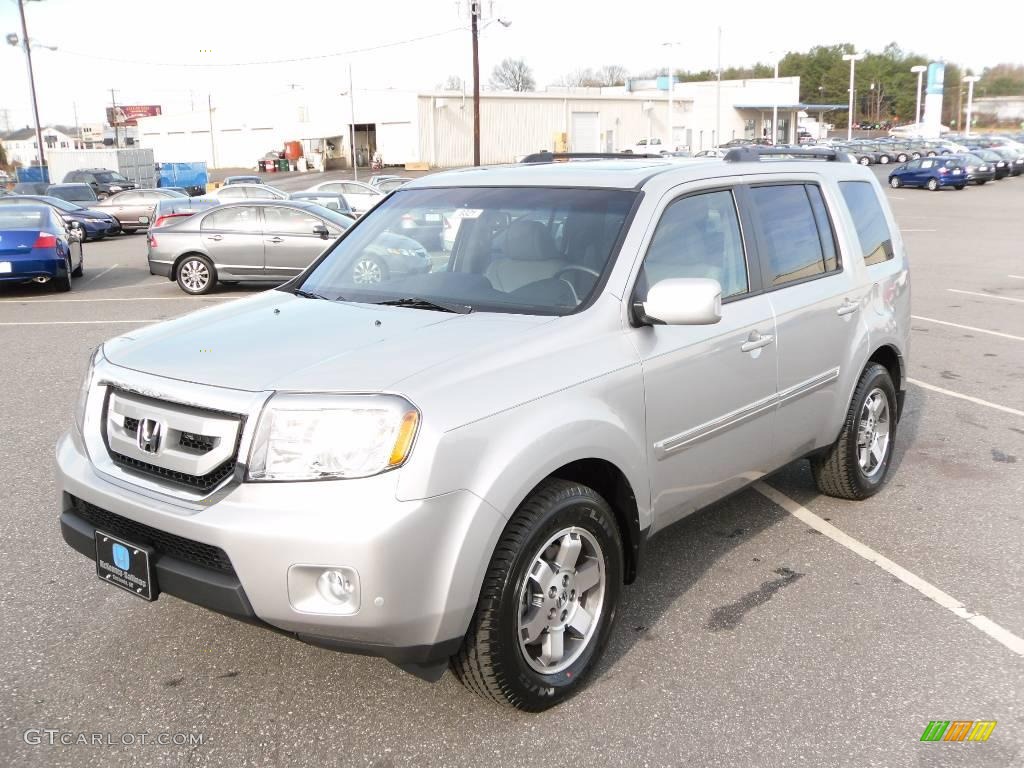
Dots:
{"x": 396, "y": 143}
{"x": 586, "y": 132}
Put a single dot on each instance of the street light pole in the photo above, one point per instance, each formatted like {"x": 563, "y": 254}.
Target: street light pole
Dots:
{"x": 920, "y": 69}
{"x": 671, "y": 85}
{"x": 970, "y": 80}
{"x": 718, "y": 95}
{"x": 31, "y": 81}
{"x": 853, "y": 58}
{"x": 352, "y": 117}
{"x": 775, "y": 104}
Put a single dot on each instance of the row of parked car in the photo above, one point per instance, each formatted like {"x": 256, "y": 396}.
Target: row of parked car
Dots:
{"x": 250, "y": 217}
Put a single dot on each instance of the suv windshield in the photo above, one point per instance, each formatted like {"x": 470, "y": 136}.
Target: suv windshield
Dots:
{"x": 519, "y": 249}
{"x": 108, "y": 176}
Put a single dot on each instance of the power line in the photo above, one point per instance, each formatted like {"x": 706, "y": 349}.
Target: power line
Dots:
{"x": 296, "y": 59}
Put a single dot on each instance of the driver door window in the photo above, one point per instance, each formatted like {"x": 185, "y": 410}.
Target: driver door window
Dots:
{"x": 698, "y": 236}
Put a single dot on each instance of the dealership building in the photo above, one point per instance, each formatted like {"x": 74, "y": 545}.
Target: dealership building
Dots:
{"x": 435, "y": 129}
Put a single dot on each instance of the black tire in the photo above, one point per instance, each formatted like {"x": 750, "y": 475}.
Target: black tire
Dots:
{"x": 865, "y": 161}
{"x": 837, "y": 472}
{"x": 62, "y": 283}
{"x": 933, "y": 185}
{"x": 183, "y": 271}
{"x": 80, "y": 269}
{"x": 958, "y": 187}
{"x": 491, "y": 662}
{"x": 902, "y": 157}
{"x": 894, "y": 182}
{"x": 915, "y": 155}
{"x": 981, "y": 182}
{"x": 884, "y": 159}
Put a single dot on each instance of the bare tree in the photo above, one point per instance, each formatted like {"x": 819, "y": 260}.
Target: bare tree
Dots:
{"x": 611, "y": 74}
{"x": 579, "y": 78}
{"x": 453, "y": 83}
{"x": 513, "y": 75}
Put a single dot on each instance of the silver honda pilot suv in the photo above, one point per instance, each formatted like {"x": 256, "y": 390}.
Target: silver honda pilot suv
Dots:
{"x": 462, "y": 468}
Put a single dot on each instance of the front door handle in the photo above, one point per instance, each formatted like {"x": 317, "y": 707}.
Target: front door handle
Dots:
{"x": 756, "y": 341}
{"x": 276, "y": 240}
{"x": 216, "y": 237}
{"x": 847, "y": 307}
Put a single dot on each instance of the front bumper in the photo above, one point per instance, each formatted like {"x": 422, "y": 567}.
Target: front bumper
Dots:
{"x": 97, "y": 228}
{"x": 420, "y": 563}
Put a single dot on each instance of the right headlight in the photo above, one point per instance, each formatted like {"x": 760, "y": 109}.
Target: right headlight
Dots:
{"x": 83, "y": 391}
{"x": 328, "y": 436}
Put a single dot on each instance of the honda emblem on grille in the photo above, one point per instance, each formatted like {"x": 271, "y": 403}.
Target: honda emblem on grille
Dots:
{"x": 148, "y": 435}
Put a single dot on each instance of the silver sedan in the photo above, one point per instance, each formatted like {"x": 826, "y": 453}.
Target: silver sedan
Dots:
{"x": 269, "y": 241}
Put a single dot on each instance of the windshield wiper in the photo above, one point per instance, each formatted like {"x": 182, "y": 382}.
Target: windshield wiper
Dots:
{"x": 419, "y": 303}
{"x": 308, "y": 294}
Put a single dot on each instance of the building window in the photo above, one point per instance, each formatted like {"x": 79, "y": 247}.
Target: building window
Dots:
{"x": 748, "y": 129}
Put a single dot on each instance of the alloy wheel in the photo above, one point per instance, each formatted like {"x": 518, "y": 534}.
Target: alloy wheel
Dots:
{"x": 561, "y": 601}
{"x": 195, "y": 275}
{"x": 873, "y": 433}
{"x": 367, "y": 272}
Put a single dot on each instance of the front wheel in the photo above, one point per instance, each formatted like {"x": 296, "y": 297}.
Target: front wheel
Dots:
{"x": 865, "y": 161}
{"x": 894, "y": 182}
{"x": 856, "y": 464}
{"x": 902, "y": 157}
{"x": 959, "y": 186}
{"x": 548, "y": 600}
{"x": 196, "y": 275}
{"x": 884, "y": 159}
{"x": 369, "y": 271}
{"x": 933, "y": 185}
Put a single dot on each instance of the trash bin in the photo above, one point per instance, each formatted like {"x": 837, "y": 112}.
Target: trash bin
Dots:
{"x": 282, "y": 164}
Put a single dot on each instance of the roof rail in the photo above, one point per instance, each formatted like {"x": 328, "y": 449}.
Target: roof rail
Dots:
{"x": 551, "y": 157}
{"x": 753, "y": 154}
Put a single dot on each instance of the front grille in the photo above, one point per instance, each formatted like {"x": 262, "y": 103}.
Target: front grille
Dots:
{"x": 202, "y": 555}
{"x": 202, "y": 443}
{"x": 202, "y": 483}
{"x": 130, "y": 424}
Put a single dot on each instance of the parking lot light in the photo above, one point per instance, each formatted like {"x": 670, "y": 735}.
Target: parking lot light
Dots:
{"x": 970, "y": 80}
{"x": 853, "y": 58}
{"x": 920, "y": 69}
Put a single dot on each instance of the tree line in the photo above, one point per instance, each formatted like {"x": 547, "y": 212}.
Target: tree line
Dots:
{"x": 885, "y": 89}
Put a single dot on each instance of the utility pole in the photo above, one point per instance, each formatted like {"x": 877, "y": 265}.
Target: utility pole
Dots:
{"x": 31, "y": 82}
{"x": 113, "y": 115}
{"x": 213, "y": 143}
{"x": 474, "y": 12}
{"x": 78, "y": 130}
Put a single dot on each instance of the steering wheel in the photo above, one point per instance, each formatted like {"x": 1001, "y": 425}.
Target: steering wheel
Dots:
{"x": 578, "y": 268}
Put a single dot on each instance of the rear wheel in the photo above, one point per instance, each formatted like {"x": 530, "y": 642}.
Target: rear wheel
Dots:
{"x": 959, "y": 186}
{"x": 895, "y": 182}
{"x": 981, "y": 182}
{"x": 548, "y": 601}
{"x": 62, "y": 283}
{"x": 856, "y": 464}
{"x": 902, "y": 157}
{"x": 884, "y": 159}
{"x": 933, "y": 185}
{"x": 865, "y": 161}
{"x": 196, "y": 275}
{"x": 369, "y": 271}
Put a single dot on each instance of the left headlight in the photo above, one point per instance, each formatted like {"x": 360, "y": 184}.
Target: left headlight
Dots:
{"x": 324, "y": 436}
{"x": 83, "y": 390}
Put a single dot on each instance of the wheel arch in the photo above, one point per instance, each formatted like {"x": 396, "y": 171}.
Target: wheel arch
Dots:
{"x": 890, "y": 358}
{"x": 183, "y": 256}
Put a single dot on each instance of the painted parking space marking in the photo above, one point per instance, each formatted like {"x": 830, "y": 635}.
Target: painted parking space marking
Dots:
{"x": 132, "y": 298}
{"x": 919, "y": 230}
{"x": 82, "y": 322}
{"x": 968, "y": 398}
{"x": 1016, "y": 277}
{"x": 1000, "y": 334}
{"x": 998, "y": 633}
{"x": 985, "y": 295}
{"x": 101, "y": 274}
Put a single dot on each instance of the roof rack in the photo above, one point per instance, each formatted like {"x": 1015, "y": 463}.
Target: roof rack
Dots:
{"x": 552, "y": 157}
{"x": 753, "y": 154}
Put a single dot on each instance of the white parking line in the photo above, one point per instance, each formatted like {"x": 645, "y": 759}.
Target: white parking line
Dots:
{"x": 968, "y": 398}
{"x": 999, "y": 634}
{"x": 919, "y": 230}
{"x": 1016, "y": 277}
{"x": 82, "y": 322}
{"x": 969, "y": 328}
{"x": 133, "y": 298}
{"x": 985, "y": 295}
{"x": 101, "y": 274}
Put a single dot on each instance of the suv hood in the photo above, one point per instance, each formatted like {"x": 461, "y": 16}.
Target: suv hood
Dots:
{"x": 277, "y": 341}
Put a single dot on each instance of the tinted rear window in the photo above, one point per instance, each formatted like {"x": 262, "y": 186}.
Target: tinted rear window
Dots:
{"x": 23, "y": 218}
{"x": 872, "y": 228}
{"x": 792, "y": 246}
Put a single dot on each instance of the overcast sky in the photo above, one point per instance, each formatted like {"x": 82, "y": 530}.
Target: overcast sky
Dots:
{"x": 152, "y": 39}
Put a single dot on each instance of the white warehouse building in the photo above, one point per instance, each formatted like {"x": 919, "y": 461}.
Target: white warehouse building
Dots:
{"x": 435, "y": 129}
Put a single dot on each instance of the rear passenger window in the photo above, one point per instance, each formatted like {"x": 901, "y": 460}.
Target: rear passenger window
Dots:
{"x": 239, "y": 218}
{"x": 872, "y": 229}
{"x": 698, "y": 236}
{"x": 796, "y": 239}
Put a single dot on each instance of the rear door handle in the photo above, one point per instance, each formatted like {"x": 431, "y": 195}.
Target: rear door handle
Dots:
{"x": 216, "y": 237}
{"x": 276, "y": 240}
{"x": 756, "y": 341}
{"x": 847, "y": 307}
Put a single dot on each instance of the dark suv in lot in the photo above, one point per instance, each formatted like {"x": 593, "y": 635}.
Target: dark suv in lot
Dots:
{"x": 103, "y": 181}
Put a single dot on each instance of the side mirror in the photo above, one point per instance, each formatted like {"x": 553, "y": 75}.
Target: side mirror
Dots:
{"x": 682, "y": 301}
{"x": 321, "y": 229}
{"x": 75, "y": 231}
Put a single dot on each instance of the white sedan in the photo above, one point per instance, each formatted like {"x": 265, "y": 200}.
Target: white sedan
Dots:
{"x": 361, "y": 197}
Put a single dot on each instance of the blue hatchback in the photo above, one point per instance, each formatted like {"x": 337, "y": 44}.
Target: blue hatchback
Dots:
{"x": 930, "y": 172}
{"x": 36, "y": 246}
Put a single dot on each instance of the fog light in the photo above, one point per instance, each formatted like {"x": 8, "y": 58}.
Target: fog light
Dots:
{"x": 336, "y": 586}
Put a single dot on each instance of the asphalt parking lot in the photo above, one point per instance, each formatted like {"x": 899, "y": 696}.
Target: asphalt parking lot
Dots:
{"x": 750, "y": 639}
